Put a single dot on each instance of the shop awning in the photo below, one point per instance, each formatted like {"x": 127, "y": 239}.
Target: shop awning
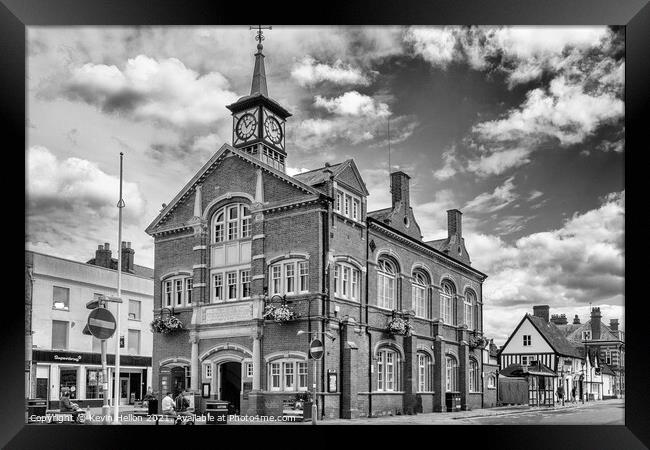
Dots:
{"x": 518, "y": 370}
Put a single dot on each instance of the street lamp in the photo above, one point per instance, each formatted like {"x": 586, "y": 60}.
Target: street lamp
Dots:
{"x": 314, "y": 408}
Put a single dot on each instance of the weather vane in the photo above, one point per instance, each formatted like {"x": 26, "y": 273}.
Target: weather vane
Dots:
{"x": 260, "y": 37}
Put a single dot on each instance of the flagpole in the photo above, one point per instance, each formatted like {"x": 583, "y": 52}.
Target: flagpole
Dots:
{"x": 116, "y": 390}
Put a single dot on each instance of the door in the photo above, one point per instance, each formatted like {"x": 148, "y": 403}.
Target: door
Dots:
{"x": 230, "y": 384}
{"x": 124, "y": 390}
{"x": 41, "y": 387}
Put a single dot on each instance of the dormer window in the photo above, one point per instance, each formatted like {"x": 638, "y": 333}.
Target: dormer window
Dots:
{"x": 586, "y": 335}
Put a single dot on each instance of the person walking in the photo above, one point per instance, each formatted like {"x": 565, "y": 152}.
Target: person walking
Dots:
{"x": 560, "y": 394}
{"x": 168, "y": 405}
{"x": 573, "y": 395}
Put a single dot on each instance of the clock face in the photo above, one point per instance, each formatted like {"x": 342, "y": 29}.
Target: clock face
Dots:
{"x": 246, "y": 126}
{"x": 273, "y": 129}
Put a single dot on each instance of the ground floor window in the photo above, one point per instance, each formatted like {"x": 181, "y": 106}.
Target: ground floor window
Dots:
{"x": 424, "y": 372}
{"x": 387, "y": 370}
{"x": 68, "y": 381}
{"x": 451, "y": 374}
{"x": 93, "y": 384}
{"x": 287, "y": 375}
{"x": 492, "y": 381}
{"x": 474, "y": 376}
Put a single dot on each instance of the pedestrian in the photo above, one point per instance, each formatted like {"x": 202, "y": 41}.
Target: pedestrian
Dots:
{"x": 168, "y": 405}
{"x": 573, "y": 394}
{"x": 560, "y": 394}
{"x": 67, "y": 406}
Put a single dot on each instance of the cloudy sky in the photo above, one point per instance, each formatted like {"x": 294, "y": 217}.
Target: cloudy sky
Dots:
{"x": 520, "y": 128}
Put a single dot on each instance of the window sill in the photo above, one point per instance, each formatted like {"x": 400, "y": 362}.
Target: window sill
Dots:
{"x": 135, "y": 320}
{"x": 61, "y": 309}
{"x": 340, "y": 297}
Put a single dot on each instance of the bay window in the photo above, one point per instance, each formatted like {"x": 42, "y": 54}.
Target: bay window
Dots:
{"x": 346, "y": 281}
{"x": 289, "y": 277}
{"x": 287, "y": 375}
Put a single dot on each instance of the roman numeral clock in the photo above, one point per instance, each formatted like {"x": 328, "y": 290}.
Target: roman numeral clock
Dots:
{"x": 258, "y": 121}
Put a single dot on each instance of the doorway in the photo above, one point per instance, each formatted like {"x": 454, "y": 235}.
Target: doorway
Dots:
{"x": 178, "y": 379}
{"x": 230, "y": 384}
{"x": 124, "y": 390}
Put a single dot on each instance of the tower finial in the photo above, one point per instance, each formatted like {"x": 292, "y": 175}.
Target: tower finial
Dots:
{"x": 260, "y": 36}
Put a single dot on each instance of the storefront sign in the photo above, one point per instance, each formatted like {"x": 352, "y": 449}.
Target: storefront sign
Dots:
{"x": 67, "y": 358}
{"x": 53, "y": 356}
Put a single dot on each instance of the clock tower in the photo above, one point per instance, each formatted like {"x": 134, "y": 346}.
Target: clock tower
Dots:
{"x": 258, "y": 122}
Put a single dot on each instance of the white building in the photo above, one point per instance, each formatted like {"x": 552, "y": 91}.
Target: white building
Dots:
{"x": 62, "y": 356}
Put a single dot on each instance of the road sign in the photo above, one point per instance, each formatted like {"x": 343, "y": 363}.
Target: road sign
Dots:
{"x": 316, "y": 349}
{"x": 101, "y": 323}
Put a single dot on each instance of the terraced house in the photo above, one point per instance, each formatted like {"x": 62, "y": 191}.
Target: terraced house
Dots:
{"x": 246, "y": 256}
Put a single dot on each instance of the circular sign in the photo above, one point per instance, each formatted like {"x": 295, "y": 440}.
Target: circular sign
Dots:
{"x": 316, "y": 349}
{"x": 101, "y": 323}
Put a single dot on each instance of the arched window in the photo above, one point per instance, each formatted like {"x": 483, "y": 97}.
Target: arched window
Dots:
{"x": 451, "y": 374}
{"x": 387, "y": 370}
{"x": 470, "y": 308}
{"x": 447, "y": 293}
{"x": 492, "y": 381}
{"x": 287, "y": 375}
{"x": 347, "y": 281}
{"x": 474, "y": 376}
{"x": 231, "y": 222}
{"x": 420, "y": 297}
{"x": 386, "y": 280}
{"x": 425, "y": 372}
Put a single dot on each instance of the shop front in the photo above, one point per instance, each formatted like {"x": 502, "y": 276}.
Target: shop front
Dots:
{"x": 80, "y": 373}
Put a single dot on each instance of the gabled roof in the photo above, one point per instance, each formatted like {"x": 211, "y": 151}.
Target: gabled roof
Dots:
{"x": 322, "y": 174}
{"x": 210, "y": 165}
{"x": 553, "y": 336}
{"x": 438, "y": 244}
{"x": 380, "y": 214}
{"x": 606, "y": 334}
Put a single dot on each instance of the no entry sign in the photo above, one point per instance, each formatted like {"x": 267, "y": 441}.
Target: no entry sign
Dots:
{"x": 101, "y": 323}
{"x": 316, "y": 349}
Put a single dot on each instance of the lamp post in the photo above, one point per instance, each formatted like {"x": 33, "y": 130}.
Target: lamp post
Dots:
{"x": 314, "y": 407}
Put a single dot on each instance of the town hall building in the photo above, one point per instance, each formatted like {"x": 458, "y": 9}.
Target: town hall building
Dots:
{"x": 247, "y": 256}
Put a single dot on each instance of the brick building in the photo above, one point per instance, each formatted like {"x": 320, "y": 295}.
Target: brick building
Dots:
{"x": 60, "y": 354}
{"x": 243, "y": 236}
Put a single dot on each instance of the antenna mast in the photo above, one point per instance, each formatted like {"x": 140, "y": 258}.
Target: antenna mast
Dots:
{"x": 389, "y": 165}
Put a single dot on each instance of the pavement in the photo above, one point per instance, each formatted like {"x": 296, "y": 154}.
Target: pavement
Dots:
{"x": 593, "y": 412}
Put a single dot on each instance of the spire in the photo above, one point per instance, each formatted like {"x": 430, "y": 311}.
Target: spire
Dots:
{"x": 259, "y": 74}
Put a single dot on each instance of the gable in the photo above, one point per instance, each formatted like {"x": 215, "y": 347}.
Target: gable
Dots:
{"x": 229, "y": 170}
{"x": 350, "y": 177}
{"x": 515, "y": 343}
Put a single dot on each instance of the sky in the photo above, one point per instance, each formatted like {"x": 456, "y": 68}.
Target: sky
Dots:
{"x": 521, "y": 128}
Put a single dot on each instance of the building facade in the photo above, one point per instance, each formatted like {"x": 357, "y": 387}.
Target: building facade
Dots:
{"x": 244, "y": 246}
{"x": 61, "y": 355}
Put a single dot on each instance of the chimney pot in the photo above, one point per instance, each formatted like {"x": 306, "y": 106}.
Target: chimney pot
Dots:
{"x": 595, "y": 323}
{"x": 576, "y": 320}
{"x": 399, "y": 183}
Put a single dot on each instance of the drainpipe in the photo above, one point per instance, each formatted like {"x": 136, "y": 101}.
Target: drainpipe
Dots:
{"x": 367, "y": 326}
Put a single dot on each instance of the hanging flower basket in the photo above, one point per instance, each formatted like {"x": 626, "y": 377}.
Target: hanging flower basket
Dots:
{"x": 166, "y": 325}
{"x": 400, "y": 326}
{"x": 282, "y": 313}
{"x": 476, "y": 341}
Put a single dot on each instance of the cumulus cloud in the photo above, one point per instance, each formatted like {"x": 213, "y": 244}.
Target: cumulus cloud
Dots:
{"x": 451, "y": 165}
{"x": 164, "y": 91}
{"x": 353, "y": 104}
{"x": 308, "y": 72}
{"x": 579, "y": 263}
{"x": 72, "y": 206}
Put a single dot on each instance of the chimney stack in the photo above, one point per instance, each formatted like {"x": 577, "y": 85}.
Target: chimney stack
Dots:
{"x": 103, "y": 255}
{"x": 595, "y": 323}
{"x": 455, "y": 224}
{"x": 541, "y": 311}
{"x": 613, "y": 324}
{"x": 127, "y": 257}
{"x": 559, "y": 319}
{"x": 576, "y": 320}
{"x": 399, "y": 183}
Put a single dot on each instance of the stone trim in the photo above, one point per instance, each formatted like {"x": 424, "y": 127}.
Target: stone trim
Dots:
{"x": 200, "y": 247}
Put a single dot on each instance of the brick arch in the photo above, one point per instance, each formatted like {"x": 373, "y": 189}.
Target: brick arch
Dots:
{"x": 290, "y": 255}
{"x": 285, "y": 354}
{"x": 234, "y": 350}
{"x": 390, "y": 344}
{"x": 424, "y": 349}
{"x": 220, "y": 201}
{"x": 390, "y": 254}
{"x": 175, "y": 361}
{"x": 424, "y": 268}
{"x": 350, "y": 260}
{"x": 176, "y": 273}
{"x": 448, "y": 278}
